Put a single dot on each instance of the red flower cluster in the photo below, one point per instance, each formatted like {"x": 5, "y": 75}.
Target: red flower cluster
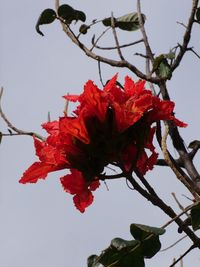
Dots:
{"x": 112, "y": 125}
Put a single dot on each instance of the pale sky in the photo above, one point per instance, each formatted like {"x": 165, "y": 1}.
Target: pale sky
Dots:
{"x": 39, "y": 225}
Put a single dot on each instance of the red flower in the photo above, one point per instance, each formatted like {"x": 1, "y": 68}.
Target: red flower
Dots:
{"x": 113, "y": 125}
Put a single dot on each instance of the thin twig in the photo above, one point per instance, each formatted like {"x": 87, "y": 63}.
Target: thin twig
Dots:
{"x": 111, "y": 62}
{"x": 178, "y": 202}
{"x": 100, "y": 76}
{"x": 182, "y": 24}
{"x": 194, "y": 52}
{"x": 149, "y": 54}
{"x": 186, "y": 37}
{"x": 142, "y": 28}
{"x": 115, "y": 37}
{"x": 183, "y": 255}
{"x": 94, "y": 42}
{"x": 179, "y": 215}
{"x": 141, "y": 55}
{"x": 157, "y": 201}
{"x": 11, "y": 126}
{"x": 174, "y": 244}
{"x": 115, "y": 47}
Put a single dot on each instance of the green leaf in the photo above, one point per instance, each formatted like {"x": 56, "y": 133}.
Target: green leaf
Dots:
{"x": 133, "y": 259}
{"x": 195, "y": 216}
{"x": 68, "y": 14}
{"x": 157, "y": 61}
{"x": 149, "y": 237}
{"x": 164, "y": 69}
{"x": 92, "y": 261}
{"x": 198, "y": 15}
{"x": 150, "y": 246}
{"x": 84, "y": 28}
{"x": 79, "y": 15}
{"x": 46, "y": 17}
{"x": 128, "y": 22}
{"x": 109, "y": 256}
{"x": 123, "y": 253}
{"x": 170, "y": 55}
{"x": 120, "y": 243}
{"x": 141, "y": 231}
{"x": 194, "y": 144}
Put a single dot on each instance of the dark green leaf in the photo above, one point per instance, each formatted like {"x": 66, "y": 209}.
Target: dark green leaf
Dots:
{"x": 92, "y": 261}
{"x": 80, "y": 15}
{"x": 195, "y": 216}
{"x": 150, "y": 246}
{"x": 84, "y": 28}
{"x": 109, "y": 256}
{"x": 194, "y": 144}
{"x": 120, "y": 251}
{"x": 128, "y": 22}
{"x": 164, "y": 69}
{"x": 120, "y": 243}
{"x": 198, "y": 14}
{"x": 68, "y": 14}
{"x": 140, "y": 231}
{"x": 149, "y": 237}
{"x": 46, "y": 17}
{"x": 134, "y": 258}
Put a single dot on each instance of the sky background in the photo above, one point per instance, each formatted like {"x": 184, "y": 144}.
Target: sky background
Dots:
{"x": 39, "y": 226}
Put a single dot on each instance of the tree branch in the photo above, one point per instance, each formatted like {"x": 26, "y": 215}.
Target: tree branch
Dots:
{"x": 186, "y": 37}
{"x": 12, "y": 127}
{"x": 182, "y": 256}
{"x": 115, "y": 37}
{"x": 114, "y": 47}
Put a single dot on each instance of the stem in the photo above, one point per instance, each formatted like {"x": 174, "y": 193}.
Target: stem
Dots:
{"x": 155, "y": 200}
{"x": 12, "y": 127}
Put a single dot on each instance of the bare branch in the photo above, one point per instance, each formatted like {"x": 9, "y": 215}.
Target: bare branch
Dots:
{"x": 142, "y": 28}
{"x": 178, "y": 172}
{"x": 15, "y": 129}
{"x": 149, "y": 54}
{"x": 182, "y": 256}
{"x": 194, "y": 52}
{"x": 115, "y": 37}
{"x": 100, "y": 76}
{"x": 114, "y": 47}
{"x": 186, "y": 37}
{"x": 174, "y": 244}
{"x": 111, "y": 62}
{"x": 94, "y": 43}
{"x": 178, "y": 203}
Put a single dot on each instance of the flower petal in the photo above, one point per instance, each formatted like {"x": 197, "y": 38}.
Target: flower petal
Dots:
{"x": 83, "y": 200}
{"x": 37, "y": 170}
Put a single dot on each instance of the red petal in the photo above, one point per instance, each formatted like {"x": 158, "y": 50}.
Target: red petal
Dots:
{"x": 49, "y": 154}
{"x": 93, "y": 101}
{"x": 74, "y": 183}
{"x": 51, "y": 127}
{"x": 75, "y": 127}
{"x": 37, "y": 170}
{"x": 94, "y": 185}
{"x": 131, "y": 88}
{"x": 72, "y": 98}
{"x": 83, "y": 200}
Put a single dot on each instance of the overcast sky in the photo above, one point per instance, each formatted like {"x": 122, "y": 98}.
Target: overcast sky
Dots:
{"x": 39, "y": 225}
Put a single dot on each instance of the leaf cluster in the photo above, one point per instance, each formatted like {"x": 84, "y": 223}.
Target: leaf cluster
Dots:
{"x": 130, "y": 253}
